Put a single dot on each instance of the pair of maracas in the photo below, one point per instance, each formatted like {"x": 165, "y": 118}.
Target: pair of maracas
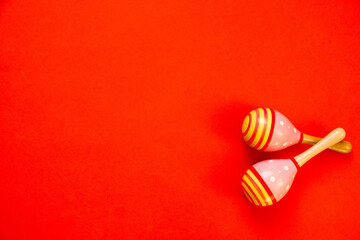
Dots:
{"x": 265, "y": 129}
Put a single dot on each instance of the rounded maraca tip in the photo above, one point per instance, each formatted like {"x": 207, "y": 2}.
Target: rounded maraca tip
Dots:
{"x": 341, "y": 132}
{"x": 255, "y": 189}
{"x": 257, "y": 126}
{"x": 346, "y": 146}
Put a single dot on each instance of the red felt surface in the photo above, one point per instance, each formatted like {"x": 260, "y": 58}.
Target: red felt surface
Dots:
{"x": 122, "y": 119}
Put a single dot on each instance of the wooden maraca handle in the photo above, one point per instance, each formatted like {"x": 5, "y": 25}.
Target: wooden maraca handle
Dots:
{"x": 342, "y": 147}
{"x": 332, "y": 138}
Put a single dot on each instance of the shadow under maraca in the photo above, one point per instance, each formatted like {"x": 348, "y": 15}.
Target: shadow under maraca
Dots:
{"x": 227, "y": 175}
{"x": 268, "y": 218}
{"x": 276, "y": 220}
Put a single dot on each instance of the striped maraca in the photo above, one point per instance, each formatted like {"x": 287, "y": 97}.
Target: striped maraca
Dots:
{"x": 266, "y": 182}
{"x": 268, "y": 130}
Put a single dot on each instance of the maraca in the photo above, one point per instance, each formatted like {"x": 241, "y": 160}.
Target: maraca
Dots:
{"x": 266, "y": 182}
{"x": 268, "y": 130}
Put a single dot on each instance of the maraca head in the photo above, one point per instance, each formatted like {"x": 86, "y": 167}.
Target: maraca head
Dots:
{"x": 268, "y": 181}
{"x": 268, "y": 130}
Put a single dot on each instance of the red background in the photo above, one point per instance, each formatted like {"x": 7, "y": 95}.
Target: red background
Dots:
{"x": 122, "y": 119}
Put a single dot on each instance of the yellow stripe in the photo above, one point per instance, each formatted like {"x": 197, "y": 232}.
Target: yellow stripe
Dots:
{"x": 259, "y": 131}
{"x": 245, "y": 124}
{"x": 254, "y": 190}
{"x": 252, "y": 126}
{"x": 268, "y": 127}
{"x": 267, "y": 197}
{"x": 247, "y": 196}
{"x": 250, "y": 194}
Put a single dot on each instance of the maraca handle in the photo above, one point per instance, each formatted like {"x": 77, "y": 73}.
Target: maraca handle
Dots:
{"x": 332, "y": 138}
{"x": 342, "y": 147}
